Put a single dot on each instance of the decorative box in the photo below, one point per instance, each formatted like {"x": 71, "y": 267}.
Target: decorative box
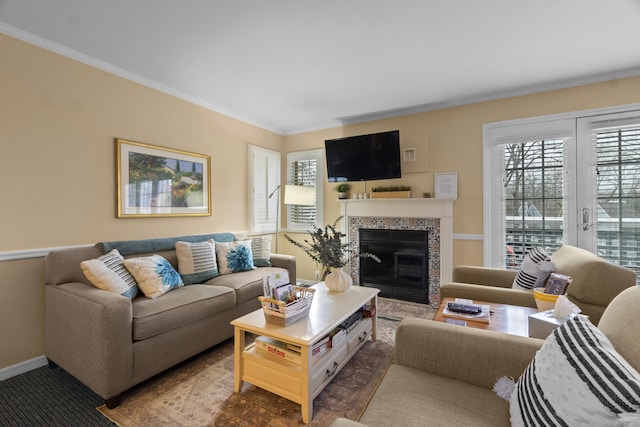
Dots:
{"x": 543, "y": 323}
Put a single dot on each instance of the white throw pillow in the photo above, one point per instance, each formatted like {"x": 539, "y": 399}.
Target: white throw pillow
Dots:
{"x": 108, "y": 273}
{"x": 197, "y": 261}
{"x": 577, "y": 378}
{"x": 261, "y": 250}
{"x": 154, "y": 274}
{"x": 535, "y": 269}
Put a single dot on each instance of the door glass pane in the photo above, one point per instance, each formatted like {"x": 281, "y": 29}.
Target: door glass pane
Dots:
{"x": 618, "y": 186}
{"x": 533, "y": 197}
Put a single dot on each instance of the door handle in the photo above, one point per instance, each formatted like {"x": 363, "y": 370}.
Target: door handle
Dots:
{"x": 586, "y": 219}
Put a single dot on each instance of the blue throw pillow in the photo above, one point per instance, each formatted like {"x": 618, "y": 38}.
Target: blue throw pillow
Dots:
{"x": 234, "y": 256}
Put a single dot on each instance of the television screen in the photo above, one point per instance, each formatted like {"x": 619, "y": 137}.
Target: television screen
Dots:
{"x": 363, "y": 157}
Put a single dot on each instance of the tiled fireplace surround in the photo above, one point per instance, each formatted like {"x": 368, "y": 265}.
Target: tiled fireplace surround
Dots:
{"x": 433, "y": 215}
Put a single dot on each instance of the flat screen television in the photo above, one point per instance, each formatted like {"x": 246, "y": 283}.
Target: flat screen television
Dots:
{"x": 364, "y": 157}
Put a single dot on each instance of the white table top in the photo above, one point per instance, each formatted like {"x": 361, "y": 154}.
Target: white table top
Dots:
{"x": 328, "y": 310}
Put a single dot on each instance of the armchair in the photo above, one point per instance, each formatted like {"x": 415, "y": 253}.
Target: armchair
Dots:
{"x": 596, "y": 282}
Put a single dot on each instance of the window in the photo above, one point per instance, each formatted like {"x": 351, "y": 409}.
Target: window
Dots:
{"x": 264, "y": 178}
{"x": 533, "y": 197}
{"x": 306, "y": 168}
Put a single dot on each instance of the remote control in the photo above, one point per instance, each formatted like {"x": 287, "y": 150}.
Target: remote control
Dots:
{"x": 464, "y": 308}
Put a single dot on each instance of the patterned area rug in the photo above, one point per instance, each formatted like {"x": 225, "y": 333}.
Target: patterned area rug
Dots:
{"x": 199, "y": 392}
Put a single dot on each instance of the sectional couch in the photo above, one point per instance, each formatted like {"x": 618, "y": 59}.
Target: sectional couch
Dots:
{"x": 110, "y": 342}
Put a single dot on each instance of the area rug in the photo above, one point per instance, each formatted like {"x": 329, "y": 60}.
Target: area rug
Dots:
{"x": 199, "y": 392}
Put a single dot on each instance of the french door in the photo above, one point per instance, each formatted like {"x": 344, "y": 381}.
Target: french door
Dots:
{"x": 608, "y": 187}
{"x": 573, "y": 180}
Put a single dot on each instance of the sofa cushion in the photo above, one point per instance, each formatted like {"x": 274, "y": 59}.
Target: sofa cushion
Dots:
{"x": 108, "y": 273}
{"x": 197, "y": 261}
{"x": 577, "y": 378}
{"x": 177, "y": 308}
{"x": 534, "y": 270}
{"x": 247, "y": 284}
{"x": 154, "y": 274}
{"x": 234, "y": 256}
{"x": 411, "y": 397}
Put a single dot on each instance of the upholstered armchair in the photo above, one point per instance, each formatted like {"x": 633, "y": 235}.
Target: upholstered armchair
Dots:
{"x": 595, "y": 282}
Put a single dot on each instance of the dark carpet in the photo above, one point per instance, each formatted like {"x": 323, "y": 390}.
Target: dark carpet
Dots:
{"x": 48, "y": 397}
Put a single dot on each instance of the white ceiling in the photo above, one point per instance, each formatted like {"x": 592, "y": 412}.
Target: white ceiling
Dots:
{"x": 296, "y": 65}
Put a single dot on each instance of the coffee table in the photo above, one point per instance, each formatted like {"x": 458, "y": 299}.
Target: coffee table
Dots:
{"x": 301, "y": 383}
{"x": 508, "y": 319}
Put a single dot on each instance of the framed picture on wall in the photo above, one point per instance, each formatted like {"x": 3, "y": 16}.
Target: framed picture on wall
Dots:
{"x": 447, "y": 185}
{"x": 158, "y": 182}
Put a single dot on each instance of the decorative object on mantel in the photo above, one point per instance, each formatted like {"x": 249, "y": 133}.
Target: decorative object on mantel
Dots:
{"x": 342, "y": 190}
{"x": 393, "y": 192}
{"x": 327, "y": 248}
{"x": 426, "y": 195}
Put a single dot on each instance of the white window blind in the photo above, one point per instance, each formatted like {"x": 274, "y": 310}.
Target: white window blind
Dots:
{"x": 618, "y": 194}
{"x": 305, "y": 168}
{"x": 264, "y": 178}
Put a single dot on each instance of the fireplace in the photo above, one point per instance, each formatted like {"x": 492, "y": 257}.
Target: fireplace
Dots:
{"x": 435, "y": 216}
{"x": 403, "y": 270}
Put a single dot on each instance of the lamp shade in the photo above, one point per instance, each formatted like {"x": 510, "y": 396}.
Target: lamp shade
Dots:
{"x": 299, "y": 195}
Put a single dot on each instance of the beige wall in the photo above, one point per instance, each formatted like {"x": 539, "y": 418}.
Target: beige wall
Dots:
{"x": 58, "y": 121}
{"x": 454, "y": 137}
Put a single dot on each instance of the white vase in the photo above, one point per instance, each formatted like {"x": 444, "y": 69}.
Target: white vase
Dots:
{"x": 338, "y": 280}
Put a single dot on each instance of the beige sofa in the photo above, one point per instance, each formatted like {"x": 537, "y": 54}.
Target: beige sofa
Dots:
{"x": 444, "y": 374}
{"x": 111, "y": 343}
{"x": 595, "y": 282}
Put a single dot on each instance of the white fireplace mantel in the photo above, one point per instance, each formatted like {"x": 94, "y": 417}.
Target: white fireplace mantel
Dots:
{"x": 441, "y": 209}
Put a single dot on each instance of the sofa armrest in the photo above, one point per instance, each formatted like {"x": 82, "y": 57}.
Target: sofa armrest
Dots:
{"x": 285, "y": 261}
{"x": 474, "y": 356}
{"x": 88, "y": 332}
{"x": 519, "y": 297}
{"x": 488, "y": 276}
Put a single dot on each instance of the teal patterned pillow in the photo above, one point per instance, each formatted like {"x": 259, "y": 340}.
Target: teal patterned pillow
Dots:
{"x": 197, "y": 261}
{"x": 154, "y": 274}
{"x": 108, "y": 273}
{"x": 234, "y": 256}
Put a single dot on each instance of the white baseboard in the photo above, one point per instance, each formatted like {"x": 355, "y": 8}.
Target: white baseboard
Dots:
{"x": 22, "y": 367}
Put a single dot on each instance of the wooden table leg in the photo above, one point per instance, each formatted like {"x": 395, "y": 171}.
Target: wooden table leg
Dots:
{"x": 374, "y": 319}
{"x": 307, "y": 397}
{"x": 238, "y": 348}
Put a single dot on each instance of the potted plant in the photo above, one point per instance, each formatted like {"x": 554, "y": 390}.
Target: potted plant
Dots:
{"x": 342, "y": 190}
{"x": 327, "y": 248}
{"x": 394, "y": 191}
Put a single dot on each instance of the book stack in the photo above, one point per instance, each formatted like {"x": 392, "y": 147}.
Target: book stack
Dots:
{"x": 288, "y": 351}
{"x": 277, "y": 286}
{"x": 352, "y": 321}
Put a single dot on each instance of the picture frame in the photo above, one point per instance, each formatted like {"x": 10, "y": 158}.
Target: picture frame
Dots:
{"x": 446, "y": 185}
{"x": 155, "y": 181}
